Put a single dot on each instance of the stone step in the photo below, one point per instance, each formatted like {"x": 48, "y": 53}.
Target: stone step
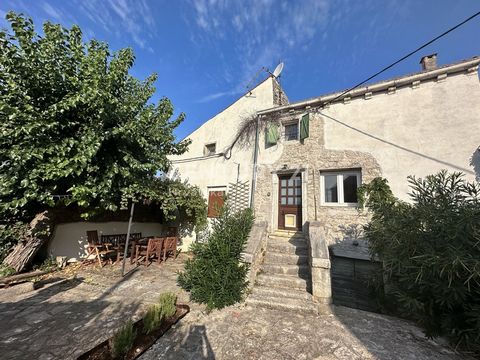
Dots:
{"x": 278, "y": 236}
{"x": 281, "y": 293}
{"x": 283, "y": 281}
{"x": 285, "y": 259}
{"x": 287, "y": 233}
{"x": 288, "y": 247}
{"x": 293, "y": 270}
{"x": 285, "y": 304}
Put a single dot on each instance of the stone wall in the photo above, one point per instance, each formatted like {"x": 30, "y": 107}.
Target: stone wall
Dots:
{"x": 309, "y": 158}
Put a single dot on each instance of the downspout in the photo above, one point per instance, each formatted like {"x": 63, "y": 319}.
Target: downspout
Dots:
{"x": 254, "y": 173}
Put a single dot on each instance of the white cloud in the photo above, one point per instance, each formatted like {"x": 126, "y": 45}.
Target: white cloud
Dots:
{"x": 54, "y": 13}
{"x": 119, "y": 16}
{"x": 261, "y": 33}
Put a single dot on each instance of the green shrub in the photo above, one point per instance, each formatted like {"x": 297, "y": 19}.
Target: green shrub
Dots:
{"x": 152, "y": 318}
{"x": 430, "y": 249}
{"x": 216, "y": 275}
{"x": 167, "y": 302}
{"x": 6, "y": 270}
{"x": 123, "y": 340}
{"x": 166, "y": 307}
{"x": 10, "y": 234}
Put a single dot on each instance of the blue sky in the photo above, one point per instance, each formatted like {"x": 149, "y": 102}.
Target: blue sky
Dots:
{"x": 207, "y": 51}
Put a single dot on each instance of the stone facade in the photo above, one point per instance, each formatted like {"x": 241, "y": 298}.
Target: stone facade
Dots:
{"x": 417, "y": 124}
{"x": 309, "y": 158}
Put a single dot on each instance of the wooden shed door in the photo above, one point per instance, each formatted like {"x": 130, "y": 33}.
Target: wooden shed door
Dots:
{"x": 290, "y": 202}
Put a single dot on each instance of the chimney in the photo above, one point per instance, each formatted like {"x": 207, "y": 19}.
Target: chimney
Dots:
{"x": 429, "y": 62}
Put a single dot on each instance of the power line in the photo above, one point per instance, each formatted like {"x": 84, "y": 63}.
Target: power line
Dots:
{"x": 404, "y": 57}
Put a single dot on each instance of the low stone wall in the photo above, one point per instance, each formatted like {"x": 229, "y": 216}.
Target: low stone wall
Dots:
{"x": 255, "y": 250}
{"x": 319, "y": 260}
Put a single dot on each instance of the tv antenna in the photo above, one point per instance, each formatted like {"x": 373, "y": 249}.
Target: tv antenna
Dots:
{"x": 276, "y": 73}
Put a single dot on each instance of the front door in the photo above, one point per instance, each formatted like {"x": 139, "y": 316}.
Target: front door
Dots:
{"x": 290, "y": 202}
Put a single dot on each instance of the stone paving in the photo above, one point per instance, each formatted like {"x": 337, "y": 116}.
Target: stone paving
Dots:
{"x": 70, "y": 314}
{"x": 252, "y": 333}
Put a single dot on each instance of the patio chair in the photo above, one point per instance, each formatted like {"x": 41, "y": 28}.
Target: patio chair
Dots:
{"x": 152, "y": 250}
{"x": 96, "y": 249}
{"x": 170, "y": 247}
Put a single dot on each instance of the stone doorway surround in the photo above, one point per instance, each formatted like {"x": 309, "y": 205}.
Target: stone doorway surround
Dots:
{"x": 274, "y": 191}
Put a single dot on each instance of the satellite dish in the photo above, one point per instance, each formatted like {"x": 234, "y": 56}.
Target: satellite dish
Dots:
{"x": 278, "y": 70}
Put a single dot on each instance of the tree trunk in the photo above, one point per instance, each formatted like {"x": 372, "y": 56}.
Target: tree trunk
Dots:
{"x": 39, "y": 232}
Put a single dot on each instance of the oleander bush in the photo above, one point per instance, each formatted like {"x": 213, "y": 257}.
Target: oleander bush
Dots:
{"x": 216, "y": 275}
{"x": 430, "y": 250}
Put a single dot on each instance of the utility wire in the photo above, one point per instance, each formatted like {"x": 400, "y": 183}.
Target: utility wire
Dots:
{"x": 404, "y": 57}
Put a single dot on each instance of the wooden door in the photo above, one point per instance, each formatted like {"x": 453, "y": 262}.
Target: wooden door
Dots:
{"x": 290, "y": 202}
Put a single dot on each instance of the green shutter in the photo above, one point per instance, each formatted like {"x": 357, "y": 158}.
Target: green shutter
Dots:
{"x": 304, "y": 126}
{"x": 272, "y": 134}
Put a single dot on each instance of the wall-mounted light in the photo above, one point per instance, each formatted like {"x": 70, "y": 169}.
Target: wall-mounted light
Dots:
{"x": 285, "y": 167}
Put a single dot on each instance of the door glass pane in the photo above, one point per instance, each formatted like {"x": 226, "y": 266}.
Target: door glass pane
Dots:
{"x": 284, "y": 201}
{"x": 350, "y": 188}
{"x": 290, "y": 182}
{"x": 284, "y": 182}
{"x": 290, "y": 200}
{"x": 283, "y": 192}
{"x": 298, "y": 201}
{"x": 331, "y": 191}
{"x": 298, "y": 191}
{"x": 298, "y": 181}
{"x": 290, "y": 191}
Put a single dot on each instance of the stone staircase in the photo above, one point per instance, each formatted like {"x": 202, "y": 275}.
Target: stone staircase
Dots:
{"x": 284, "y": 280}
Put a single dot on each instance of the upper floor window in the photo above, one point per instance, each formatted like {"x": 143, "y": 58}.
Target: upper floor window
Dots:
{"x": 210, "y": 149}
{"x": 339, "y": 187}
{"x": 291, "y": 131}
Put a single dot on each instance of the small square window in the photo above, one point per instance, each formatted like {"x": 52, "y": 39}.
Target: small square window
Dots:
{"x": 339, "y": 188}
{"x": 291, "y": 132}
{"x": 210, "y": 149}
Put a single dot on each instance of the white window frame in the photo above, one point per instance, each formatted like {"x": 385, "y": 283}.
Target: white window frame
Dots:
{"x": 340, "y": 174}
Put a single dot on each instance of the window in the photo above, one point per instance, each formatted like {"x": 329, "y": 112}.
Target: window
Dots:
{"x": 216, "y": 199}
{"x": 210, "y": 149}
{"x": 291, "y": 132}
{"x": 340, "y": 187}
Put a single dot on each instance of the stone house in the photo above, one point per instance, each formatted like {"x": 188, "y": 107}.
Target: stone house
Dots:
{"x": 310, "y": 159}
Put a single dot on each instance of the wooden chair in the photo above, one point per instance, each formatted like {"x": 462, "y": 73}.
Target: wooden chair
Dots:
{"x": 152, "y": 249}
{"x": 170, "y": 247}
{"x": 117, "y": 242}
{"x": 96, "y": 248}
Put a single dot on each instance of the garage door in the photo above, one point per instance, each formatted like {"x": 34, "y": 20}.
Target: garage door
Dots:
{"x": 350, "y": 283}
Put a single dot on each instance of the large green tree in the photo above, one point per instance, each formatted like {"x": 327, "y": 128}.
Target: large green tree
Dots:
{"x": 76, "y": 127}
{"x": 75, "y": 122}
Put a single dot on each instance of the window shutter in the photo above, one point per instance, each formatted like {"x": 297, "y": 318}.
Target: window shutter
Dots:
{"x": 272, "y": 134}
{"x": 216, "y": 200}
{"x": 304, "y": 126}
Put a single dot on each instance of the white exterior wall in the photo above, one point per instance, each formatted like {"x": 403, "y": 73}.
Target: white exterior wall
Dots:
{"x": 215, "y": 171}
{"x": 415, "y": 131}
{"x": 221, "y": 129}
{"x": 70, "y": 239}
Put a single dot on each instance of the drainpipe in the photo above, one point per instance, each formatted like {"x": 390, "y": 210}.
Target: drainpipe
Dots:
{"x": 254, "y": 174}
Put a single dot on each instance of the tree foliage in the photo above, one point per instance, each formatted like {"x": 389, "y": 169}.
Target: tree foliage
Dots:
{"x": 430, "y": 249}
{"x": 75, "y": 122}
{"x": 215, "y": 275}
